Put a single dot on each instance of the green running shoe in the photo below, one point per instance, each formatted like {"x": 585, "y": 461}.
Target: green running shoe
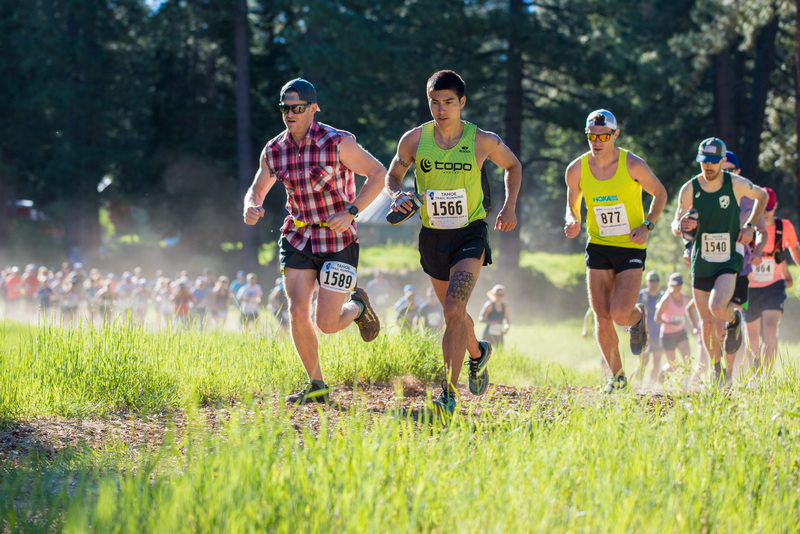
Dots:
{"x": 445, "y": 403}
{"x": 478, "y": 372}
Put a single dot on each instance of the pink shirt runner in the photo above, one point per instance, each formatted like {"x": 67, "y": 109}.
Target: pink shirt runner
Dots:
{"x": 674, "y": 311}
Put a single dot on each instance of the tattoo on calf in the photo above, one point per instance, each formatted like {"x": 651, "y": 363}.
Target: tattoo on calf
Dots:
{"x": 461, "y": 285}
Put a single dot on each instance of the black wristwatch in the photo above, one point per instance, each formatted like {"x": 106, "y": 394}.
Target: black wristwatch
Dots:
{"x": 353, "y": 210}
{"x": 649, "y": 225}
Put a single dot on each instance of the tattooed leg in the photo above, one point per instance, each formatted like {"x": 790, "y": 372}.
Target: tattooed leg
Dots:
{"x": 459, "y": 333}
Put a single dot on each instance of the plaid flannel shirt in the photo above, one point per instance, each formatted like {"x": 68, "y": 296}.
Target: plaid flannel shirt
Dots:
{"x": 317, "y": 186}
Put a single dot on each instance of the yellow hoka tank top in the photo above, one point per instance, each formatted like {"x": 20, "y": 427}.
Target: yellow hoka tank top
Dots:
{"x": 613, "y": 206}
{"x": 450, "y": 180}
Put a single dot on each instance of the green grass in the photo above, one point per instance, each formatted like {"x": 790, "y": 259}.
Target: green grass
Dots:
{"x": 391, "y": 257}
{"x": 561, "y": 460}
{"x": 561, "y": 270}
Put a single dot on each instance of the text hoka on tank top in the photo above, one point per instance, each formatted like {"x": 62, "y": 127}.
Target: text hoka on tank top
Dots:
{"x": 613, "y": 206}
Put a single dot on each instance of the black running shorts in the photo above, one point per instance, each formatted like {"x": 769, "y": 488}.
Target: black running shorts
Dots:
{"x": 439, "y": 250}
{"x": 762, "y": 299}
{"x": 605, "y": 257}
{"x": 706, "y": 283}
{"x": 740, "y": 292}
{"x": 305, "y": 259}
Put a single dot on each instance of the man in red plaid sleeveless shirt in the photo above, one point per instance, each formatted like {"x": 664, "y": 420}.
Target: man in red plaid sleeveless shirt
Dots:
{"x": 317, "y": 165}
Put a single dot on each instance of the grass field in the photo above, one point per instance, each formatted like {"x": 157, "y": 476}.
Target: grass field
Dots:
{"x": 549, "y": 454}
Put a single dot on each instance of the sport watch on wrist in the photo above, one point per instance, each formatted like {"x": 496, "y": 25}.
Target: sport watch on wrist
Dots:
{"x": 750, "y": 225}
{"x": 353, "y": 210}
{"x": 649, "y": 225}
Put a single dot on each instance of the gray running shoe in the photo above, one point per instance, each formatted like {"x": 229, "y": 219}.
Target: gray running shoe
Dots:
{"x": 616, "y": 383}
{"x": 478, "y": 372}
{"x": 310, "y": 393}
{"x": 639, "y": 335}
{"x": 368, "y": 323}
{"x": 733, "y": 333}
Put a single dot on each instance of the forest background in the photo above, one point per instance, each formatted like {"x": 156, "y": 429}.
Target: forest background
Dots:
{"x": 173, "y": 101}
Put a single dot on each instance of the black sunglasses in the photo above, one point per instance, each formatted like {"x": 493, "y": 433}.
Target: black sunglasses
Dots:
{"x": 297, "y": 109}
{"x": 603, "y": 137}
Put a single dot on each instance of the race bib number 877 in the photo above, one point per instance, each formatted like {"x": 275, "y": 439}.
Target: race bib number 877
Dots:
{"x": 612, "y": 220}
{"x": 338, "y": 277}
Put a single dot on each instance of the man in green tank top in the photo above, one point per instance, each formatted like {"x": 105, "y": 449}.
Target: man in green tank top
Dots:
{"x": 453, "y": 241}
{"x": 719, "y": 240}
{"x": 611, "y": 180}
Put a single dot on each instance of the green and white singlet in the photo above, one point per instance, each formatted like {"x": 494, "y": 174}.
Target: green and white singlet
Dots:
{"x": 718, "y": 226}
{"x": 450, "y": 180}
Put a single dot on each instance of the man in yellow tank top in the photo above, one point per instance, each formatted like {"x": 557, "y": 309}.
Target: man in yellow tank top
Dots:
{"x": 449, "y": 154}
{"x": 611, "y": 180}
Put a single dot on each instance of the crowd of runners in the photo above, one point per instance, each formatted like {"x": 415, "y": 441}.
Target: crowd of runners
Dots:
{"x": 71, "y": 294}
{"x": 732, "y": 241}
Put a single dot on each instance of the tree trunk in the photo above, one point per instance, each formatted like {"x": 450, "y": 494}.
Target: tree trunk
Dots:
{"x": 725, "y": 98}
{"x": 797, "y": 100}
{"x": 7, "y": 207}
{"x": 765, "y": 61}
{"x": 243, "y": 125}
{"x": 509, "y": 241}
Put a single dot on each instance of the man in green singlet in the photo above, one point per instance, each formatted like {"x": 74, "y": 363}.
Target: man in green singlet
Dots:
{"x": 449, "y": 154}
{"x": 718, "y": 251}
{"x": 611, "y": 180}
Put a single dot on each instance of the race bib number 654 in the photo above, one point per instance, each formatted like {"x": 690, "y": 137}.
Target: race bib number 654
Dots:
{"x": 338, "y": 277}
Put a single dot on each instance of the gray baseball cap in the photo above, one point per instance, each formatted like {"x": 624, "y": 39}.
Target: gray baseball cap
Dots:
{"x": 305, "y": 91}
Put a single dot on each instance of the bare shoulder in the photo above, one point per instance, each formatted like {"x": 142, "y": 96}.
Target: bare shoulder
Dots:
{"x": 487, "y": 139}
{"x": 410, "y": 141}
{"x": 573, "y": 172}
{"x": 635, "y": 163}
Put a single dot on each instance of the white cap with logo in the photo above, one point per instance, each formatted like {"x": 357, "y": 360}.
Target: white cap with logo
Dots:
{"x": 601, "y": 117}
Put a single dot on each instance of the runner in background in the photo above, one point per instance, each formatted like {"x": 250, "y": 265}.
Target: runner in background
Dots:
{"x": 671, "y": 314}
{"x": 650, "y": 297}
{"x": 496, "y": 316}
{"x": 768, "y": 283}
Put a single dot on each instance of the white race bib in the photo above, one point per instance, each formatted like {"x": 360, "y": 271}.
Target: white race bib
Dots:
{"x": 676, "y": 320}
{"x": 612, "y": 220}
{"x": 716, "y": 248}
{"x": 447, "y": 209}
{"x": 765, "y": 272}
{"x": 496, "y": 329}
{"x": 338, "y": 277}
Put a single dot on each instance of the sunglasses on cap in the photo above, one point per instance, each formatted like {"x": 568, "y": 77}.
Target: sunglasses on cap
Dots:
{"x": 297, "y": 109}
{"x": 603, "y": 137}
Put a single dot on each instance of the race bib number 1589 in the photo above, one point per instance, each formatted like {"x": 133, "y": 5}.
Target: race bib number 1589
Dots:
{"x": 337, "y": 276}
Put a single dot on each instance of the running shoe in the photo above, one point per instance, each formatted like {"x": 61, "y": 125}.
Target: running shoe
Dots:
{"x": 310, "y": 393}
{"x": 639, "y": 332}
{"x": 368, "y": 322}
{"x": 733, "y": 333}
{"x": 478, "y": 372}
{"x": 616, "y": 383}
{"x": 445, "y": 403}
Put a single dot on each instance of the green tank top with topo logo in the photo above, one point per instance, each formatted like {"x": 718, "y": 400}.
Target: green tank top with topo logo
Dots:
{"x": 450, "y": 180}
